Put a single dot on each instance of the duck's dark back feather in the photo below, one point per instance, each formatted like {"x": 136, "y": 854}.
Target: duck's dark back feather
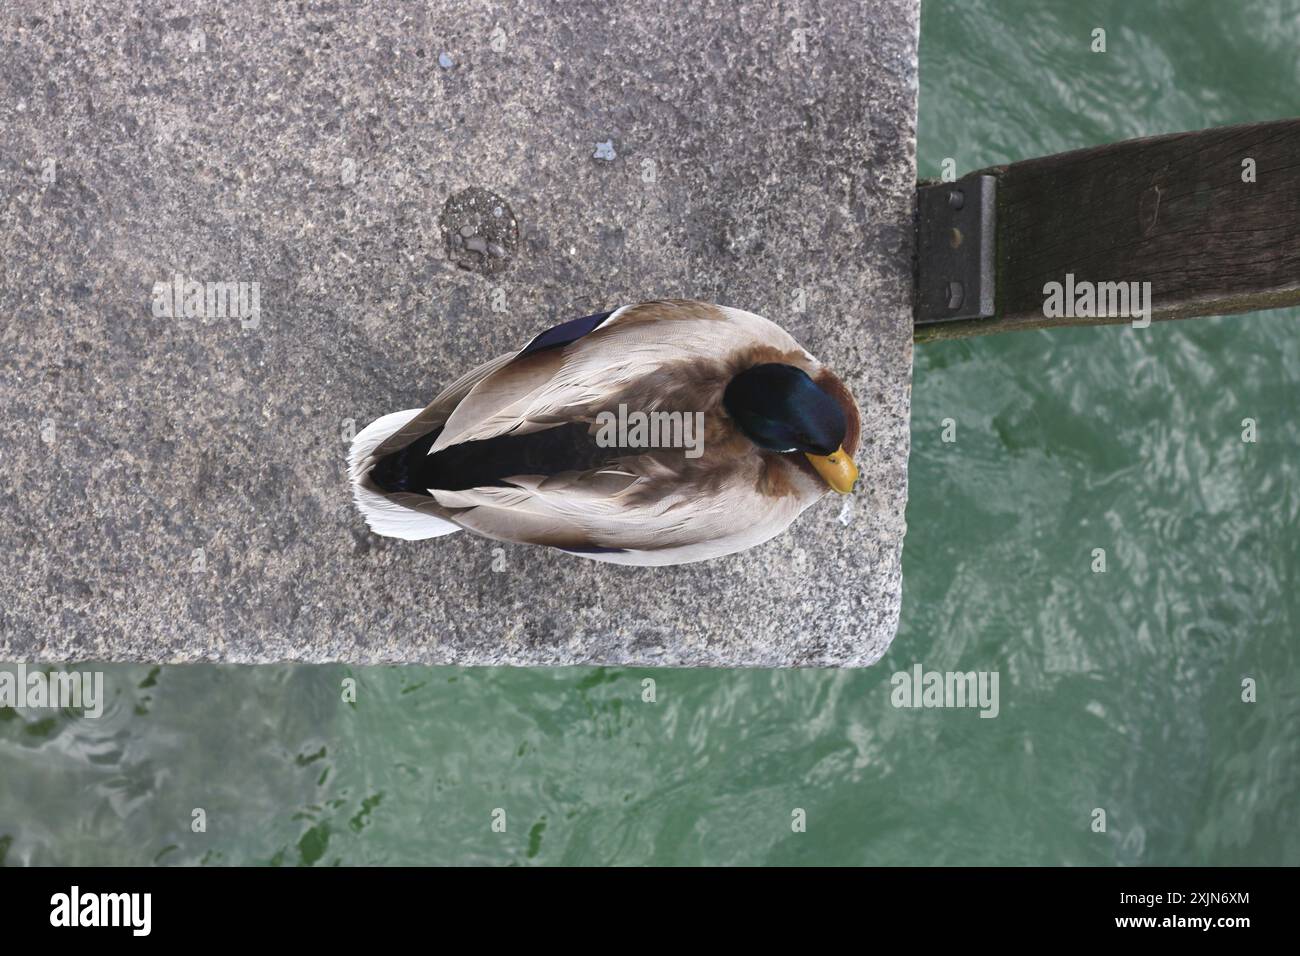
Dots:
{"x": 488, "y": 463}
{"x": 564, "y": 334}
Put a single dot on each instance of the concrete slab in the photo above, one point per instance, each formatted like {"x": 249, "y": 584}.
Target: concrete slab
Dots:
{"x": 173, "y": 489}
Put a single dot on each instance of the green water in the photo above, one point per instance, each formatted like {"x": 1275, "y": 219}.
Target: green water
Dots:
{"x": 1119, "y": 691}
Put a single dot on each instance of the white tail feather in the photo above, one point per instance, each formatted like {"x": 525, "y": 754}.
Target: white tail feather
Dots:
{"x": 384, "y": 516}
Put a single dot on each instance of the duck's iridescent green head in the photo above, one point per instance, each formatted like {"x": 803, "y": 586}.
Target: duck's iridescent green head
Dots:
{"x": 780, "y": 408}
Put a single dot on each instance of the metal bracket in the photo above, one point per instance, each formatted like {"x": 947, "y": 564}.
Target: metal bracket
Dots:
{"x": 955, "y": 243}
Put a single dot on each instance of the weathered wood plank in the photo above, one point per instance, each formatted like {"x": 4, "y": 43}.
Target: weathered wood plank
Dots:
{"x": 1211, "y": 219}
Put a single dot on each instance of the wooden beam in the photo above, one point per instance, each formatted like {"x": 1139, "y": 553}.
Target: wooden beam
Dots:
{"x": 1211, "y": 219}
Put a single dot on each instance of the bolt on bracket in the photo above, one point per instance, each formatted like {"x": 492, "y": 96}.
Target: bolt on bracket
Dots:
{"x": 956, "y": 239}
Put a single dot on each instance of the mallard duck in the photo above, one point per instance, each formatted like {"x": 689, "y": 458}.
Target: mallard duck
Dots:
{"x": 556, "y": 444}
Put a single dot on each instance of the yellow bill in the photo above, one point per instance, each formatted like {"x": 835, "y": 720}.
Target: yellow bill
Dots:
{"x": 837, "y": 470}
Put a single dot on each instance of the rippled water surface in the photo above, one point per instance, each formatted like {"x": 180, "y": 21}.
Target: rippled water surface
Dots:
{"x": 1119, "y": 691}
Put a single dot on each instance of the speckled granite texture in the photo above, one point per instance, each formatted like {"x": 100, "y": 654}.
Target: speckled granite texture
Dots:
{"x": 173, "y": 488}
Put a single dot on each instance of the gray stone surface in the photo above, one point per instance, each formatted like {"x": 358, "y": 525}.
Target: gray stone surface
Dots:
{"x": 311, "y": 148}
